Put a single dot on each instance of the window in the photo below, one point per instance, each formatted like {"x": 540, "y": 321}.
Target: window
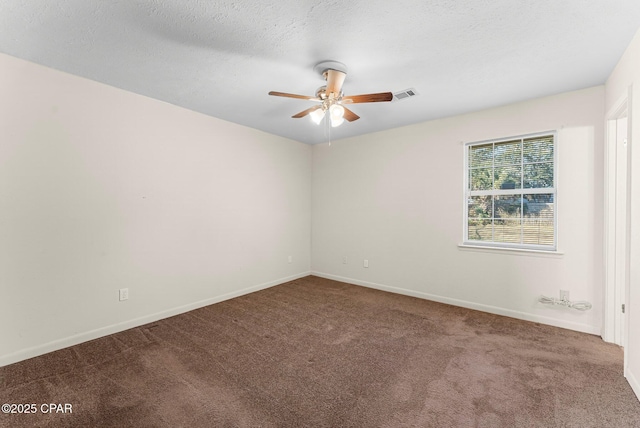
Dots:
{"x": 510, "y": 193}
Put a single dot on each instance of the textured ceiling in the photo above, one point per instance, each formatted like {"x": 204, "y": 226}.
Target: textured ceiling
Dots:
{"x": 222, "y": 57}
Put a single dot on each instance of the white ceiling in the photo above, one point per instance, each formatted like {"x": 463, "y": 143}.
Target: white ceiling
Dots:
{"x": 222, "y": 57}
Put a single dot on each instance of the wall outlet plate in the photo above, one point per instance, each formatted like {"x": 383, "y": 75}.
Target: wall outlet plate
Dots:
{"x": 123, "y": 294}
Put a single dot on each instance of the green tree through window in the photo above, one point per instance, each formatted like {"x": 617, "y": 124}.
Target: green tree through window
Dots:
{"x": 510, "y": 193}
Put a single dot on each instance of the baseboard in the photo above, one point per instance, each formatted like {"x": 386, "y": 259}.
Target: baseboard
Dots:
{"x": 136, "y": 322}
{"x": 633, "y": 381}
{"x": 584, "y": 328}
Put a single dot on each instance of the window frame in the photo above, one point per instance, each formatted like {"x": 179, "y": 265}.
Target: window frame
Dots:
{"x": 467, "y": 193}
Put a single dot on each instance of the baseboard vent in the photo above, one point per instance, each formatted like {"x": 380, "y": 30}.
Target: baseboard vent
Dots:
{"x": 407, "y": 93}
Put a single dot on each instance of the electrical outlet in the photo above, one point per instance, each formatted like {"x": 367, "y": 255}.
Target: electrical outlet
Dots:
{"x": 564, "y": 295}
{"x": 290, "y": 259}
{"x": 124, "y": 294}
{"x": 344, "y": 260}
{"x": 366, "y": 263}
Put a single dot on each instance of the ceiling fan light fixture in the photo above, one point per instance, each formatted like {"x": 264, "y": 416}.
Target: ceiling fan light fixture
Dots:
{"x": 317, "y": 116}
{"x": 336, "y": 113}
{"x": 336, "y": 122}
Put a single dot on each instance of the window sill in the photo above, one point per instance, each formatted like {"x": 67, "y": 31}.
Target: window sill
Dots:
{"x": 516, "y": 251}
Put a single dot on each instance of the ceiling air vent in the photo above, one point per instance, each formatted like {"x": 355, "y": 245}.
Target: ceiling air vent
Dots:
{"x": 405, "y": 94}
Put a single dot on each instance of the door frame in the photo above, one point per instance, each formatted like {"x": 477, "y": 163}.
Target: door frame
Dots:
{"x": 615, "y": 283}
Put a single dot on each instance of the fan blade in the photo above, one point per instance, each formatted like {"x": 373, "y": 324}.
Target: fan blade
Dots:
{"x": 301, "y": 97}
{"x": 305, "y": 112}
{"x": 368, "y": 98}
{"x": 349, "y": 115}
{"x": 335, "y": 79}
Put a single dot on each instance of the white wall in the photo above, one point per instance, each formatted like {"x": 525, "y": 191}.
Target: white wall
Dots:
{"x": 102, "y": 189}
{"x": 395, "y": 198}
{"x": 626, "y": 76}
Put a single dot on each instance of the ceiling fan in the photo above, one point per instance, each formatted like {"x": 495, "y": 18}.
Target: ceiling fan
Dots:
{"x": 331, "y": 98}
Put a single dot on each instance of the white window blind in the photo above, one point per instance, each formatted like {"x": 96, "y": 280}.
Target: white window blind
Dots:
{"x": 510, "y": 193}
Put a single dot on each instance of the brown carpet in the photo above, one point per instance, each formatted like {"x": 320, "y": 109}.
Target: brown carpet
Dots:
{"x": 320, "y": 353}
